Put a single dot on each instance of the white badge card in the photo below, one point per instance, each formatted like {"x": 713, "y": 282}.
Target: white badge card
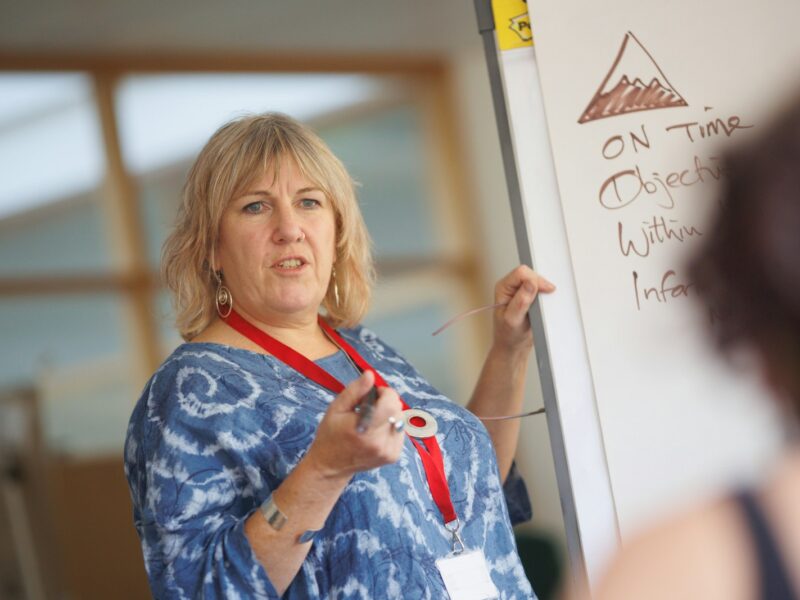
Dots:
{"x": 466, "y": 576}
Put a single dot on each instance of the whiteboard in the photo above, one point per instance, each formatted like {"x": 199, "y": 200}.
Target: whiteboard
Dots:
{"x": 618, "y": 117}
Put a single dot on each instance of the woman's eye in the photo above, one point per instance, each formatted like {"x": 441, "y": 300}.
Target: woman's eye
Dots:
{"x": 254, "y": 207}
{"x": 310, "y": 203}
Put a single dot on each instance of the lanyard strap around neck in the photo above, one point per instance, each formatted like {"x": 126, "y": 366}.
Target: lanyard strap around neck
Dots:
{"x": 284, "y": 353}
{"x": 430, "y": 453}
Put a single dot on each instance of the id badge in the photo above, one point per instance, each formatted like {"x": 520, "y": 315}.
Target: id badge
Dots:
{"x": 466, "y": 576}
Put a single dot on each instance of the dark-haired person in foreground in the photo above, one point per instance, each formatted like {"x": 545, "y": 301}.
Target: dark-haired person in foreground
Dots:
{"x": 745, "y": 546}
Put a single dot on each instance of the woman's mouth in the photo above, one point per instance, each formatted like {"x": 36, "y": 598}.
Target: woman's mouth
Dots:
{"x": 289, "y": 264}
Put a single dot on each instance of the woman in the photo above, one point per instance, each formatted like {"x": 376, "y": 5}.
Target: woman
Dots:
{"x": 253, "y": 469}
{"x": 745, "y": 546}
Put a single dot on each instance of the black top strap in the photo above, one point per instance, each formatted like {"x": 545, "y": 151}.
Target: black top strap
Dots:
{"x": 774, "y": 582}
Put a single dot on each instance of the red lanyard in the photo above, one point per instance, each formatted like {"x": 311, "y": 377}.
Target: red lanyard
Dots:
{"x": 430, "y": 454}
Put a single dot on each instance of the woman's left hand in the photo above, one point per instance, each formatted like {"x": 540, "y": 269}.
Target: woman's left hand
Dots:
{"x": 512, "y": 329}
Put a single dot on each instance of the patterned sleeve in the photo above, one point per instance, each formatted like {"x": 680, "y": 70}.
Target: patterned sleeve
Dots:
{"x": 192, "y": 490}
{"x": 517, "y": 499}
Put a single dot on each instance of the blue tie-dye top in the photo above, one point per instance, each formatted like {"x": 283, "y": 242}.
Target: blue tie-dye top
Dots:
{"x": 217, "y": 428}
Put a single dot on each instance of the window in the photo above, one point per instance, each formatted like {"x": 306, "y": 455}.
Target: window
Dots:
{"x": 93, "y": 165}
{"x": 72, "y": 306}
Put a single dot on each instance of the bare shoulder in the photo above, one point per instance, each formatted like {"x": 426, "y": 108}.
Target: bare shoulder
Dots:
{"x": 703, "y": 553}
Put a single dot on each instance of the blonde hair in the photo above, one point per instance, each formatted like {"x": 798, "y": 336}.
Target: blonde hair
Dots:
{"x": 231, "y": 160}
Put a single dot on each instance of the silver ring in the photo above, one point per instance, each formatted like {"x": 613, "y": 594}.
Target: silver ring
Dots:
{"x": 396, "y": 424}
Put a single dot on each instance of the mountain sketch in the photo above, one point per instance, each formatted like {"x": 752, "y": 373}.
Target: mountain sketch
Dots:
{"x": 633, "y": 83}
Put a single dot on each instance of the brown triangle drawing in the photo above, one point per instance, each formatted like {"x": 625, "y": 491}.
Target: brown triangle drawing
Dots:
{"x": 626, "y": 90}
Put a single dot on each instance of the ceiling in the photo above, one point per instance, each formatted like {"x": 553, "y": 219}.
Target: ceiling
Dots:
{"x": 408, "y": 27}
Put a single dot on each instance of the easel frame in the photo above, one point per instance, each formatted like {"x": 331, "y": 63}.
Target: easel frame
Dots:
{"x": 584, "y": 487}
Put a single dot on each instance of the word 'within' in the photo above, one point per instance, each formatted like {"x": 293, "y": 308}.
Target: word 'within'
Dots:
{"x": 655, "y": 231}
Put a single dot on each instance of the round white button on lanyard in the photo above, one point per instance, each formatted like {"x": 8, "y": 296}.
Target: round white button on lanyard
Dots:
{"x": 427, "y": 429}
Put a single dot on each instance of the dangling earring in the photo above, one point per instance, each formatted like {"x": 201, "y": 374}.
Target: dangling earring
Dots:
{"x": 223, "y": 298}
{"x": 335, "y": 287}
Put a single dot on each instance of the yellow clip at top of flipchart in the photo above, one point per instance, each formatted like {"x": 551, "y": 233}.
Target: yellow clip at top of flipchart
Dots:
{"x": 512, "y": 24}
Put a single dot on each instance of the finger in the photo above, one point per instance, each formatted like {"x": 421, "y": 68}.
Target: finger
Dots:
{"x": 389, "y": 438}
{"x": 520, "y": 303}
{"x": 354, "y": 392}
{"x": 510, "y": 283}
{"x": 545, "y": 286}
{"x": 517, "y": 309}
{"x": 396, "y": 441}
{"x": 508, "y": 286}
{"x": 387, "y": 405}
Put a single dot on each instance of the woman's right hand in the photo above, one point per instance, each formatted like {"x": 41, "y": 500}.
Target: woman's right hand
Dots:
{"x": 339, "y": 451}
{"x": 311, "y": 490}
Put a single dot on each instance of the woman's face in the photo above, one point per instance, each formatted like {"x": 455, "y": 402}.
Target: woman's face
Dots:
{"x": 276, "y": 247}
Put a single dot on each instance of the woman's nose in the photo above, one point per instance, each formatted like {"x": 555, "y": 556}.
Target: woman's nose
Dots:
{"x": 287, "y": 228}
